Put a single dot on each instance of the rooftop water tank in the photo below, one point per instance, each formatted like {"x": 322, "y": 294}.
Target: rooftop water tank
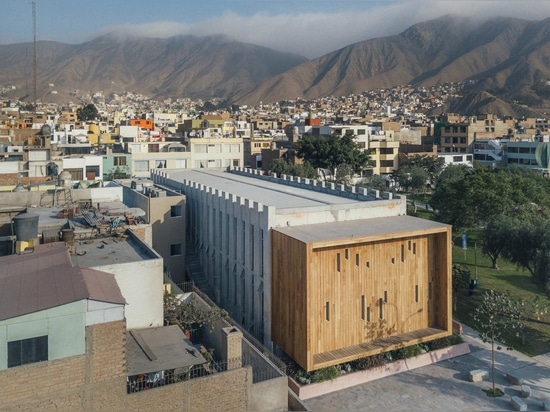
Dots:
{"x": 65, "y": 179}
{"x": 25, "y": 226}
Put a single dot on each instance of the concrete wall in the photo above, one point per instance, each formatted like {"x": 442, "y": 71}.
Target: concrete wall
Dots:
{"x": 141, "y": 285}
{"x": 167, "y": 230}
{"x": 270, "y": 395}
{"x": 37, "y": 198}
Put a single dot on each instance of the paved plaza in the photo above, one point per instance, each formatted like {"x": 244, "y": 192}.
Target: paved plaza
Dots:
{"x": 445, "y": 386}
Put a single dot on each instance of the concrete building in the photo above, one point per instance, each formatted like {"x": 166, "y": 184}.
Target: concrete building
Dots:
{"x": 232, "y": 218}
{"x": 165, "y": 212}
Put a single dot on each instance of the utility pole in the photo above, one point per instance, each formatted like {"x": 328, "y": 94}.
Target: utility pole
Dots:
{"x": 34, "y": 52}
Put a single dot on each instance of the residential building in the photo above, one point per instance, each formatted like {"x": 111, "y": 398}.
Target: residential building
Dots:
{"x": 165, "y": 212}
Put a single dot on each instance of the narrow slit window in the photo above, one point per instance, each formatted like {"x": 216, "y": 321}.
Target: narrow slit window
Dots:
{"x": 414, "y": 248}
{"x": 380, "y": 308}
{"x": 393, "y": 260}
{"x": 416, "y": 293}
{"x": 338, "y": 262}
{"x": 346, "y": 254}
{"x": 386, "y": 296}
{"x": 409, "y": 245}
{"x": 402, "y": 253}
{"x": 357, "y": 259}
{"x": 363, "y": 307}
{"x": 367, "y": 264}
{"x": 368, "y": 314}
{"x": 327, "y": 311}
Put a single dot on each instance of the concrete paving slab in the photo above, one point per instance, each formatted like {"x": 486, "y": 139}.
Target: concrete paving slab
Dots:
{"x": 444, "y": 386}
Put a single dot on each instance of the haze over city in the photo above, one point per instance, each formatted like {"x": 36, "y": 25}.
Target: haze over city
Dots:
{"x": 308, "y": 28}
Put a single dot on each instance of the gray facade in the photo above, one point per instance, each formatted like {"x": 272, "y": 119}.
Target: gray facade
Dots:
{"x": 230, "y": 216}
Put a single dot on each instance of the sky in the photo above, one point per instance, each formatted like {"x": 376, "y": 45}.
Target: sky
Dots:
{"x": 310, "y": 28}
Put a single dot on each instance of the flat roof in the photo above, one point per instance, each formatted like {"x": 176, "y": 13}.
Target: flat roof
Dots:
{"x": 110, "y": 250}
{"x": 363, "y": 230}
{"x": 262, "y": 191}
{"x": 157, "y": 349}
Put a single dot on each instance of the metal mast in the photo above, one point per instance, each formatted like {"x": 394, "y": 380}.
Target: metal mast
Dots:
{"x": 34, "y": 51}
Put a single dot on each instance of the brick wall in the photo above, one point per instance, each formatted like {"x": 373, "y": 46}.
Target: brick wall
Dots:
{"x": 93, "y": 381}
{"x": 97, "y": 381}
{"x": 226, "y": 391}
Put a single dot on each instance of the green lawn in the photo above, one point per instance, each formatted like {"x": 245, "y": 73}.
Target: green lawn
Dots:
{"x": 507, "y": 278}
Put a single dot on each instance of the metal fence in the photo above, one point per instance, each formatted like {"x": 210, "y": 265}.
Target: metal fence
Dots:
{"x": 265, "y": 364}
{"x": 141, "y": 382}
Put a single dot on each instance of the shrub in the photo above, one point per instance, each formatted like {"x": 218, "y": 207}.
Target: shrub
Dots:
{"x": 439, "y": 343}
{"x": 369, "y": 362}
{"x": 406, "y": 352}
{"x": 325, "y": 374}
{"x": 455, "y": 339}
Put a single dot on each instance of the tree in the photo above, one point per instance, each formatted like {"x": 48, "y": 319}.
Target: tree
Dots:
{"x": 527, "y": 309}
{"x": 344, "y": 173}
{"x": 433, "y": 165}
{"x": 305, "y": 170}
{"x": 495, "y": 317}
{"x": 188, "y": 315}
{"x": 411, "y": 178}
{"x": 530, "y": 248}
{"x": 86, "y": 113}
{"x": 461, "y": 282}
{"x": 330, "y": 152}
{"x": 497, "y": 235}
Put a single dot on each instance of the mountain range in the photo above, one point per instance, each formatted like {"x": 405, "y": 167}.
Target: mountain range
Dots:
{"x": 505, "y": 57}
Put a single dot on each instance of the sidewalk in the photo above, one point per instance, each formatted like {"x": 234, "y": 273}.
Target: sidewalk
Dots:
{"x": 444, "y": 386}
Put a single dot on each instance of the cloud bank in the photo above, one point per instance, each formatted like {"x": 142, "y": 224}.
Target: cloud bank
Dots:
{"x": 317, "y": 33}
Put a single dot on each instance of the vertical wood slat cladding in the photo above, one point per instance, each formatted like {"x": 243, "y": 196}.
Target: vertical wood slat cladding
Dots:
{"x": 393, "y": 275}
{"x": 289, "y": 295}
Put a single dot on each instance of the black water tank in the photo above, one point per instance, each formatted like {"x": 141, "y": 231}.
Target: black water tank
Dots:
{"x": 25, "y": 226}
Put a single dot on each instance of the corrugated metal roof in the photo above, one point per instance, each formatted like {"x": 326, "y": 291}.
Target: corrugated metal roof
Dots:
{"x": 46, "y": 278}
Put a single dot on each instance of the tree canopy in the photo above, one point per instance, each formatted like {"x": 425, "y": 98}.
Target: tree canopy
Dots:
{"x": 281, "y": 166}
{"x": 331, "y": 152}
{"x": 484, "y": 194}
{"x": 86, "y": 113}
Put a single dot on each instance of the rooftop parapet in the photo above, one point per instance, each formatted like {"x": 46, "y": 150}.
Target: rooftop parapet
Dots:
{"x": 351, "y": 192}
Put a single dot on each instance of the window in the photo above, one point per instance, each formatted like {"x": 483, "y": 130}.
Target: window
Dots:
{"x": 141, "y": 165}
{"x": 119, "y": 161}
{"x": 386, "y": 150}
{"x": 154, "y": 148}
{"x": 175, "y": 211}
{"x": 32, "y": 350}
{"x": 176, "y": 249}
{"x": 327, "y": 311}
{"x": 386, "y": 163}
{"x": 363, "y": 307}
{"x": 416, "y": 293}
{"x": 338, "y": 262}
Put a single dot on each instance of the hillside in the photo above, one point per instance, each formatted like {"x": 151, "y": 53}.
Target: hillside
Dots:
{"x": 504, "y": 55}
{"x": 181, "y": 66}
